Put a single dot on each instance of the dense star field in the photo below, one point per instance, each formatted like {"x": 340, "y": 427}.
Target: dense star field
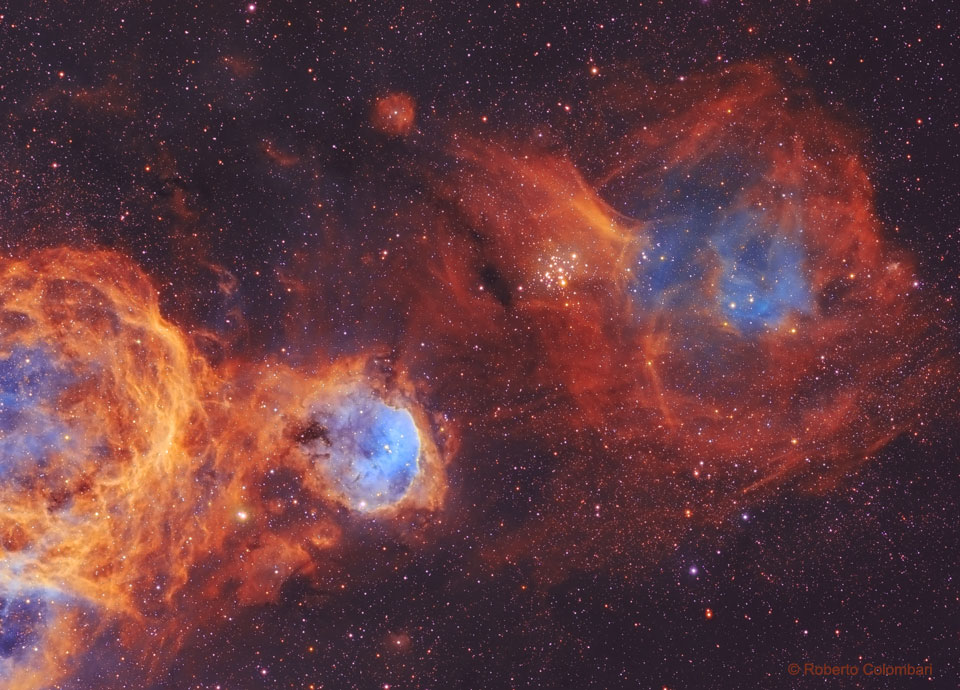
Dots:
{"x": 452, "y": 345}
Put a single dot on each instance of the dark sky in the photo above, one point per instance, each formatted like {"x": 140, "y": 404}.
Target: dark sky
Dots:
{"x": 227, "y": 149}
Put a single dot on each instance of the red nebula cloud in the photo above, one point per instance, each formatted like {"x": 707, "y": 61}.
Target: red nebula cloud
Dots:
{"x": 394, "y": 114}
{"x": 685, "y": 307}
{"x": 695, "y": 302}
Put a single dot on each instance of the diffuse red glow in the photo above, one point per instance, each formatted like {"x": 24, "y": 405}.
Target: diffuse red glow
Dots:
{"x": 394, "y": 114}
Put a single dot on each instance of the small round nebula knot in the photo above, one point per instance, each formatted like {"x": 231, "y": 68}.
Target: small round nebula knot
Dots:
{"x": 394, "y": 114}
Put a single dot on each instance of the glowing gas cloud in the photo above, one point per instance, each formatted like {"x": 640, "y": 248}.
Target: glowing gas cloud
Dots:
{"x": 686, "y": 306}
{"x": 703, "y": 289}
{"x": 128, "y": 465}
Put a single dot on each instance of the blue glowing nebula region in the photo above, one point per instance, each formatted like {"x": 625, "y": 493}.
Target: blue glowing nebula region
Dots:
{"x": 756, "y": 273}
{"x": 762, "y": 279}
{"x": 372, "y": 449}
{"x": 25, "y": 616}
{"x": 21, "y": 622}
{"x": 30, "y": 428}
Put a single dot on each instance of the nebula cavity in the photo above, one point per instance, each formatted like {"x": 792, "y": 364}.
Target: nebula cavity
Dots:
{"x": 370, "y": 450}
{"x": 33, "y": 621}
{"x": 21, "y": 623}
{"x": 762, "y": 278}
{"x": 30, "y": 429}
{"x": 706, "y": 241}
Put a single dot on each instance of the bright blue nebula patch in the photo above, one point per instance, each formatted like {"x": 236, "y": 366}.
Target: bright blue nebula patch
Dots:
{"x": 762, "y": 279}
{"x": 27, "y": 617}
{"x": 23, "y": 618}
{"x": 674, "y": 263}
{"x": 700, "y": 251}
{"x": 30, "y": 429}
{"x": 372, "y": 449}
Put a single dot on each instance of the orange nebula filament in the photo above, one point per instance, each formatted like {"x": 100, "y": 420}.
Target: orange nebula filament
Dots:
{"x": 158, "y": 487}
